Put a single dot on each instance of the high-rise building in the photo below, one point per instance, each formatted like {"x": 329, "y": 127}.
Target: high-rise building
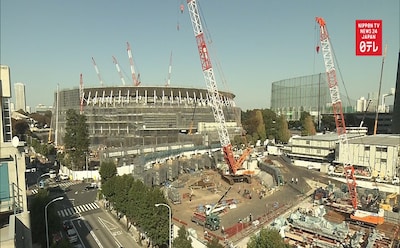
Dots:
{"x": 14, "y": 222}
{"x": 19, "y": 90}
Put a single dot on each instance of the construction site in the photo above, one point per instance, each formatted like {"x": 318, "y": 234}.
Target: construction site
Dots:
{"x": 233, "y": 201}
{"x": 306, "y": 213}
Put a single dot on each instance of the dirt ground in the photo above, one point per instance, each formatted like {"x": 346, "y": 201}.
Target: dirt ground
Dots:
{"x": 256, "y": 206}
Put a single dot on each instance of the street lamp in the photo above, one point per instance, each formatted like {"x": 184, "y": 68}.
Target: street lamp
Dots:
{"x": 169, "y": 210}
{"x": 45, "y": 217}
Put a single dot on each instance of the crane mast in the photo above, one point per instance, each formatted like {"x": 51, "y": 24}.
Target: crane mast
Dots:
{"x": 81, "y": 93}
{"x": 337, "y": 107}
{"x": 169, "y": 71}
{"x": 134, "y": 78}
{"x": 97, "y": 71}
{"x": 119, "y": 70}
{"x": 215, "y": 97}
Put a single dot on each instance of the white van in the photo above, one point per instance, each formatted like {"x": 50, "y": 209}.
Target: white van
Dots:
{"x": 63, "y": 176}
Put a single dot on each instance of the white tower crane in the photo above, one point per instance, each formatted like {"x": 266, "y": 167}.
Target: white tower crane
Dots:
{"x": 169, "y": 71}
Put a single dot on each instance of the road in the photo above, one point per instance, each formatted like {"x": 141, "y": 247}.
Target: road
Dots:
{"x": 95, "y": 226}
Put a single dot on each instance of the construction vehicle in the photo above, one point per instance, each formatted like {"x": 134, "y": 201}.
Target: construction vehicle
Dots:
{"x": 211, "y": 221}
{"x": 209, "y": 218}
{"x": 235, "y": 171}
{"x": 327, "y": 52}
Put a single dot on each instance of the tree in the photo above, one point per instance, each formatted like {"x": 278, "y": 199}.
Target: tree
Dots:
{"x": 308, "y": 126}
{"x": 267, "y": 238}
{"x": 254, "y": 125}
{"x": 37, "y": 217}
{"x": 107, "y": 170}
{"x": 328, "y": 122}
{"x": 270, "y": 119}
{"x": 20, "y": 128}
{"x": 258, "y": 118}
{"x": 76, "y": 139}
{"x": 283, "y": 133}
{"x": 183, "y": 240}
{"x": 214, "y": 243}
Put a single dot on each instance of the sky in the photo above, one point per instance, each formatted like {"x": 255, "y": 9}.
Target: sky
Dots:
{"x": 253, "y": 43}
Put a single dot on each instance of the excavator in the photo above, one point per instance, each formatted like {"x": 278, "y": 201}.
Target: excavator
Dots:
{"x": 235, "y": 171}
{"x": 209, "y": 218}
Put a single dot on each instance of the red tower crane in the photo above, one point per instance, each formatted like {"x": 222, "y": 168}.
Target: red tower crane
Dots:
{"x": 337, "y": 107}
{"x": 119, "y": 70}
{"x": 97, "y": 71}
{"x": 236, "y": 172}
{"x": 135, "y": 79}
{"x": 357, "y": 215}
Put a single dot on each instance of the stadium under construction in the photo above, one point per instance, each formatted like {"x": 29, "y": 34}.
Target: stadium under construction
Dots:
{"x": 133, "y": 116}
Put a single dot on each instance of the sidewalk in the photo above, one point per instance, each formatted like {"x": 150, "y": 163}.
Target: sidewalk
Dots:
{"x": 122, "y": 222}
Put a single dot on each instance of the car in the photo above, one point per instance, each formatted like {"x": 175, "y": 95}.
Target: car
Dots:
{"x": 72, "y": 235}
{"x": 67, "y": 225}
{"x": 63, "y": 176}
{"x": 91, "y": 186}
{"x": 52, "y": 173}
{"x": 42, "y": 184}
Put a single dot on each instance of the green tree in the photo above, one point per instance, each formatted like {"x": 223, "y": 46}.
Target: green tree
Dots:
{"x": 20, "y": 128}
{"x": 253, "y": 123}
{"x": 328, "y": 122}
{"x": 258, "y": 118}
{"x": 270, "y": 119}
{"x": 267, "y": 238}
{"x": 283, "y": 133}
{"x": 37, "y": 217}
{"x": 107, "y": 170}
{"x": 183, "y": 240}
{"x": 76, "y": 139}
{"x": 308, "y": 126}
{"x": 214, "y": 243}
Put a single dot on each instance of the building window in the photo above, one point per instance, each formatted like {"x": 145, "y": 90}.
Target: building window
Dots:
{"x": 366, "y": 148}
{"x": 318, "y": 151}
{"x": 383, "y": 160}
{"x": 4, "y": 183}
{"x": 307, "y": 142}
{"x": 381, "y": 149}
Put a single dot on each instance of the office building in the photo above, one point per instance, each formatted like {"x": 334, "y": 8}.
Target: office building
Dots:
{"x": 20, "y": 100}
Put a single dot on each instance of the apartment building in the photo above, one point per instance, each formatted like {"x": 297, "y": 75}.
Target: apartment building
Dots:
{"x": 14, "y": 215}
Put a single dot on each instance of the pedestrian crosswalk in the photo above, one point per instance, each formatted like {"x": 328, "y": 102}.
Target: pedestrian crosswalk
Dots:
{"x": 77, "y": 209}
{"x": 62, "y": 185}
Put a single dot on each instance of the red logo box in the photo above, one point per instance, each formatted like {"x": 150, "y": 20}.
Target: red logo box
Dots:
{"x": 368, "y": 37}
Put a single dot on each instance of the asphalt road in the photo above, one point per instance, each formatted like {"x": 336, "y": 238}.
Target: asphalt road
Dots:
{"x": 95, "y": 227}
